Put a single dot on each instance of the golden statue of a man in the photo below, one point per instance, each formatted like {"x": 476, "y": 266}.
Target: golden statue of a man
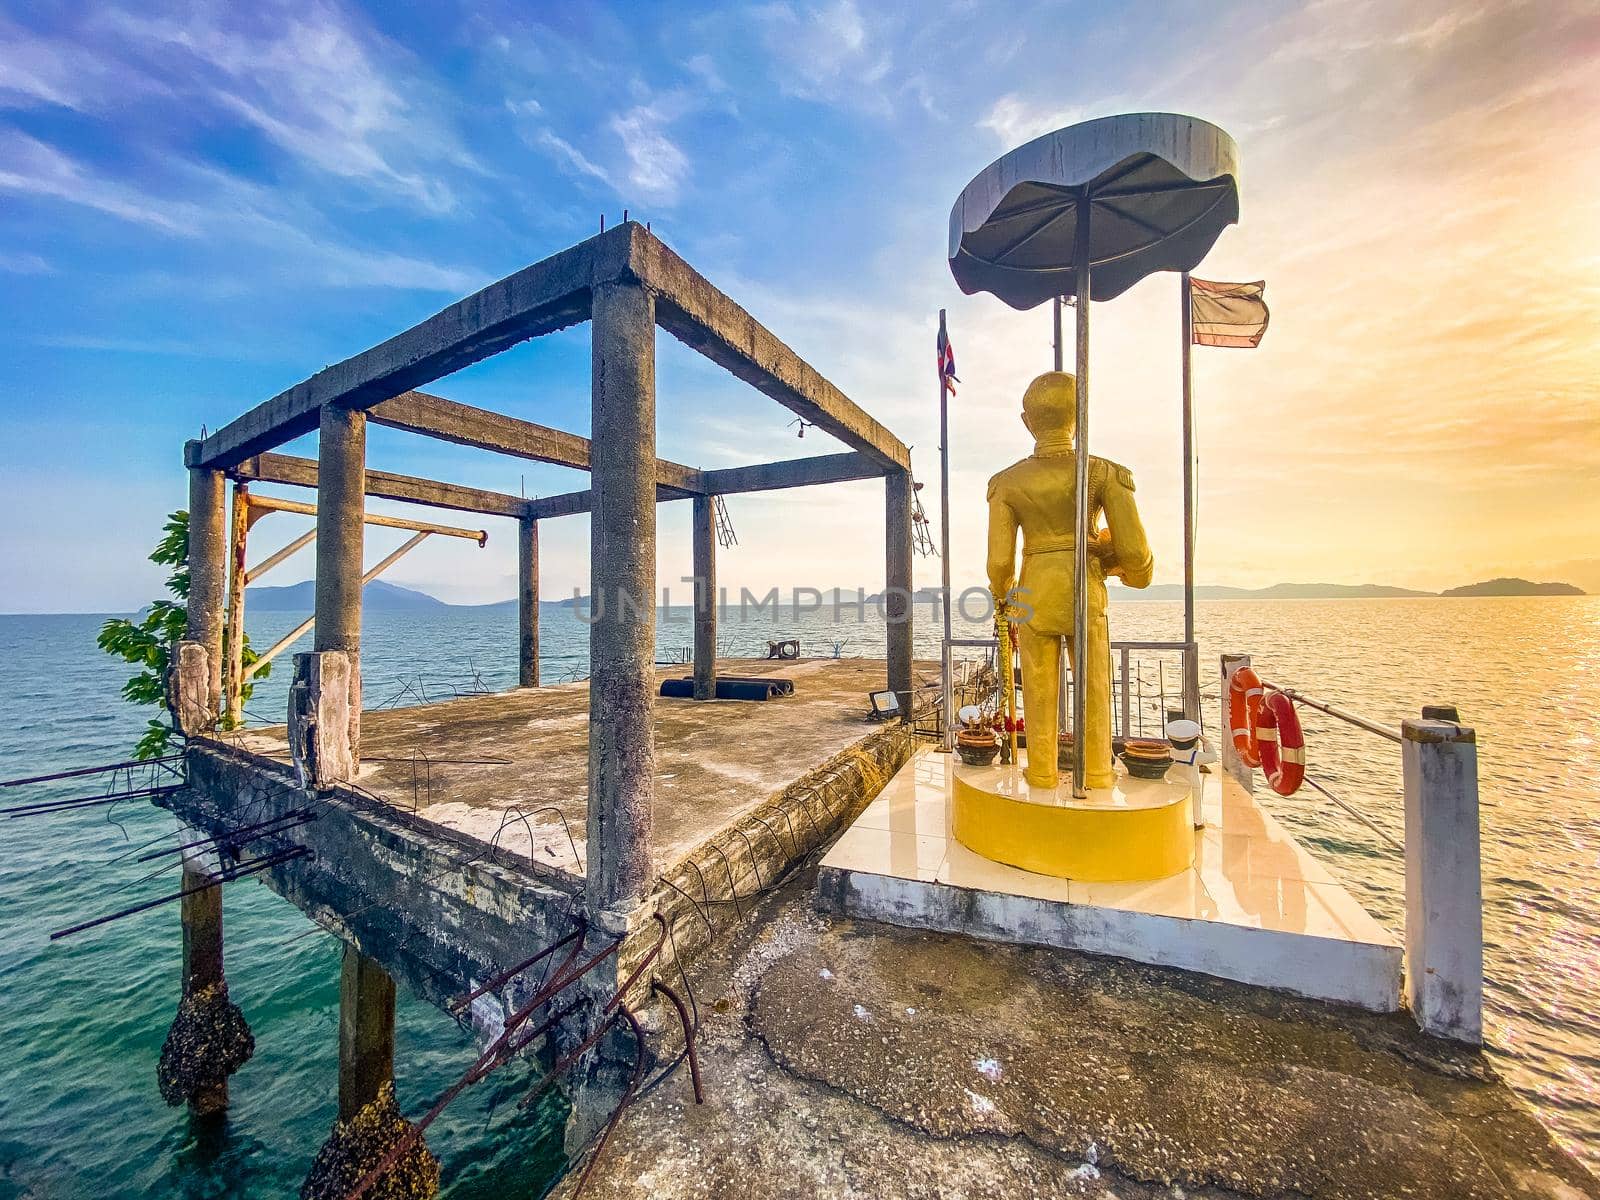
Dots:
{"x": 1039, "y": 496}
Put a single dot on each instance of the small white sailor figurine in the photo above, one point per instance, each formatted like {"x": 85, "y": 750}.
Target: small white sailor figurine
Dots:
{"x": 1191, "y": 750}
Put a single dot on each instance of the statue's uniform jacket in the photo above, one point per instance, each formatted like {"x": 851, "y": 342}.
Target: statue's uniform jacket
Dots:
{"x": 1038, "y": 497}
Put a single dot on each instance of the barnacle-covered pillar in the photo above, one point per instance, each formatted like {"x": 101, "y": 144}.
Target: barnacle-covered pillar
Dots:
{"x": 370, "y": 1123}
{"x": 209, "y": 1039}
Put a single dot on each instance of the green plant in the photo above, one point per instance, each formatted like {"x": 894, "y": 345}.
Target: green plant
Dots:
{"x": 148, "y": 640}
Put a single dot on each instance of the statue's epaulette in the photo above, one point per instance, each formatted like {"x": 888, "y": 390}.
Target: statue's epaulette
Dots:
{"x": 1124, "y": 476}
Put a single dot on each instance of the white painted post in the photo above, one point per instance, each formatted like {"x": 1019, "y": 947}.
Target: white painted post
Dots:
{"x": 1231, "y": 762}
{"x": 1444, "y": 887}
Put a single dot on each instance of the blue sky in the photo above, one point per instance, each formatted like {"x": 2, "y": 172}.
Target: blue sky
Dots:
{"x": 202, "y": 204}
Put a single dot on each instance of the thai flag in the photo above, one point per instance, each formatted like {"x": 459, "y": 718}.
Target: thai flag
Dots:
{"x": 947, "y": 359}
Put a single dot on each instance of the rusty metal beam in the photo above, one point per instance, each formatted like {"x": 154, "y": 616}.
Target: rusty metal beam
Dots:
{"x": 294, "y": 471}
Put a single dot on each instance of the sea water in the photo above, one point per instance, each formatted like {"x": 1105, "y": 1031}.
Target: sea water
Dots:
{"x": 81, "y": 1020}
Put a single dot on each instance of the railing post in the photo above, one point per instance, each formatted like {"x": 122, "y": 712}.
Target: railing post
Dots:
{"x": 1444, "y": 888}
{"x": 1231, "y": 762}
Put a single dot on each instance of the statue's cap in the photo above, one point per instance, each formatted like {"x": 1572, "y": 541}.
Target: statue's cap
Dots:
{"x": 1051, "y": 402}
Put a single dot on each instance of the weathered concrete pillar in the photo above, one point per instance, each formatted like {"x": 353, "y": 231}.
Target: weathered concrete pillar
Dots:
{"x": 366, "y": 1031}
{"x": 325, "y": 697}
{"x": 622, "y": 583}
{"x": 897, "y": 583}
{"x": 195, "y": 688}
{"x": 209, "y": 1039}
{"x": 705, "y": 598}
{"x": 370, "y": 1121}
{"x": 233, "y": 674}
{"x": 1444, "y": 879}
{"x": 528, "y": 603}
{"x": 1231, "y": 762}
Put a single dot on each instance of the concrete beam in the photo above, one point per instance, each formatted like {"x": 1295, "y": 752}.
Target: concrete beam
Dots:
{"x": 728, "y": 481}
{"x": 293, "y": 471}
{"x": 791, "y": 473}
{"x": 549, "y": 295}
{"x": 622, "y": 569}
{"x": 694, "y": 311}
{"x": 436, "y": 417}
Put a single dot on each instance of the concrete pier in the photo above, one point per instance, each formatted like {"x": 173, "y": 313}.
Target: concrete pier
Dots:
{"x": 705, "y": 598}
{"x": 622, "y": 574}
{"x": 527, "y": 602}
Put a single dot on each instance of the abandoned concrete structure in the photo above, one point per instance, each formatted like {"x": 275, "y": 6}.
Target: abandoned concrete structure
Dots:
{"x": 433, "y": 895}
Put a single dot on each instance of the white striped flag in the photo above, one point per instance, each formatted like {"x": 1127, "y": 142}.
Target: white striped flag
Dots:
{"x": 1228, "y": 314}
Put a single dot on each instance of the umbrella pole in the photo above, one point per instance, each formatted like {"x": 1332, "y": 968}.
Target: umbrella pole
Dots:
{"x": 1062, "y": 685}
{"x": 949, "y": 718}
{"x": 1191, "y": 657}
{"x": 1080, "y": 547}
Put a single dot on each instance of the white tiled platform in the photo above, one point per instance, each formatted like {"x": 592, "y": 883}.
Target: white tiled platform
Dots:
{"x": 1255, "y": 907}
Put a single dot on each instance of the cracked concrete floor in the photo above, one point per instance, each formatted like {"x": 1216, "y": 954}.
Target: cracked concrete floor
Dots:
{"x": 850, "y": 1059}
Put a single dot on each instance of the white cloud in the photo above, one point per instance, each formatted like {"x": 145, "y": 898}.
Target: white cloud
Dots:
{"x": 825, "y": 52}
{"x": 25, "y": 264}
{"x": 33, "y": 168}
{"x": 657, "y": 167}
{"x": 338, "y": 98}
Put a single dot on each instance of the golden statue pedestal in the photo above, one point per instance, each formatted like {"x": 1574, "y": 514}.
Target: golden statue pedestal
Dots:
{"x": 1136, "y": 830}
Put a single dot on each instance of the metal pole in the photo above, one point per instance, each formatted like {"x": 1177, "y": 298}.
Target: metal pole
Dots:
{"x": 1191, "y": 659}
{"x": 1055, "y": 308}
{"x": 1080, "y": 545}
{"x": 949, "y": 717}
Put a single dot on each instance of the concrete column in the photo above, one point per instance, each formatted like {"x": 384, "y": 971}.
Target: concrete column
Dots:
{"x": 1444, "y": 873}
{"x": 705, "y": 598}
{"x": 1231, "y": 762}
{"x": 366, "y": 1031}
{"x": 622, "y": 583}
{"x": 201, "y": 914}
{"x": 528, "y": 603}
{"x": 897, "y": 583}
{"x": 341, "y": 507}
{"x": 238, "y": 538}
{"x": 208, "y": 574}
{"x": 341, "y": 529}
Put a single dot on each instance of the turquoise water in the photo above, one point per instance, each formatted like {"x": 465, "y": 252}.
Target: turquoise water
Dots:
{"x": 79, "y": 1110}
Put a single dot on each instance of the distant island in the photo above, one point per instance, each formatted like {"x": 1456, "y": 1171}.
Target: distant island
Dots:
{"x": 1342, "y": 591}
{"x": 1515, "y": 587}
{"x": 378, "y": 596}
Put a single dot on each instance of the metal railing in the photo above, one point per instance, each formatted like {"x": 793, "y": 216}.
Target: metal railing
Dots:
{"x": 1139, "y": 687}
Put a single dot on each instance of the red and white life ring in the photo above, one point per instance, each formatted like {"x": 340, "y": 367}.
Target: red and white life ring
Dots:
{"x": 1281, "y": 743}
{"x": 1244, "y": 711}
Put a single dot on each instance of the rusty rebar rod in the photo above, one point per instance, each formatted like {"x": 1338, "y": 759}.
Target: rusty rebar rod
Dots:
{"x": 511, "y": 973}
{"x": 79, "y": 772}
{"x": 688, "y": 1036}
{"x": 45, "y": 807}
{"x": 627, "y": 1098}
{"x": 289, "y": 820}
{"x": 251, "y": 867}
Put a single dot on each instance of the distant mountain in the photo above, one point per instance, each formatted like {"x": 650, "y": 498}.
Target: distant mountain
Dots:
{"x": 1514, "y": 587}
{"x": 377, "y": 596}
{"x": 1169, "y": 592}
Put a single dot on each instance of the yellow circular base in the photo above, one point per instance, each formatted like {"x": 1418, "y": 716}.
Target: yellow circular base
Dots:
{"x": 1139, "y": 829}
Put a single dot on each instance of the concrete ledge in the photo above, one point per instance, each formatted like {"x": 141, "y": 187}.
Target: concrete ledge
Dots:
{"x": 1367, "y": 976}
